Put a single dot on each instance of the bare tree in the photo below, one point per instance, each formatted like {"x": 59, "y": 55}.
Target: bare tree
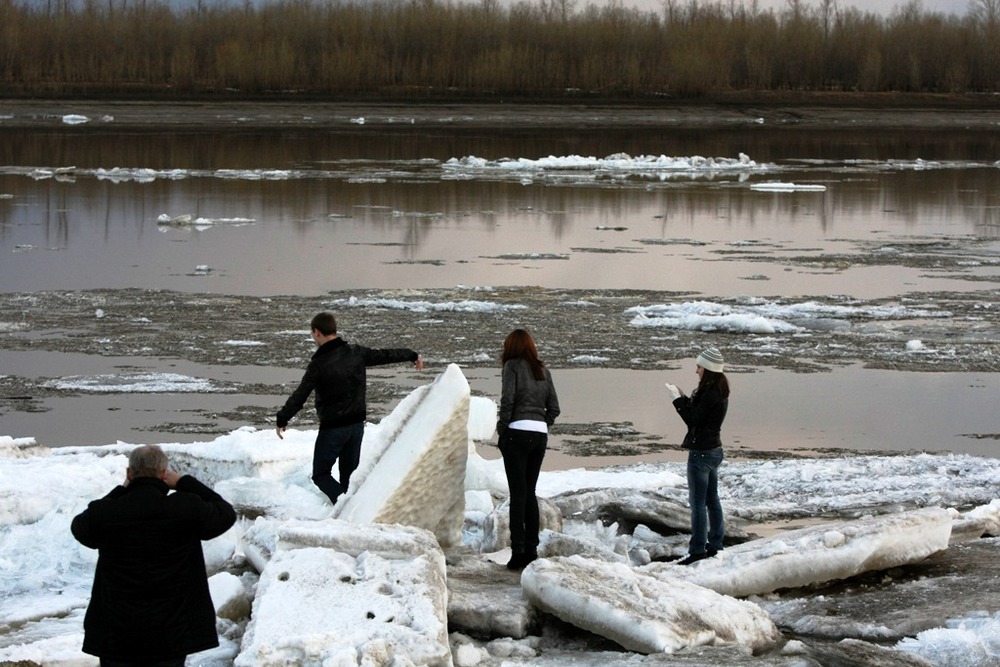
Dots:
{"x": 669, "y": 10}
{"x": 985, "y": 12}
{"x": 827, "y": 12}
{"x": 796, "y": 9}
{"x": 565, "y": 9}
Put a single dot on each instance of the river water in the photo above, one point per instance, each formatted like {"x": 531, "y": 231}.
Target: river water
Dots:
{"x": 870, "y": 216}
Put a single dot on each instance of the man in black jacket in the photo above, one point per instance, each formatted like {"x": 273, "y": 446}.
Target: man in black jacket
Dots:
{"x": 150, "y": 605}
{"x": 337, "y": 374}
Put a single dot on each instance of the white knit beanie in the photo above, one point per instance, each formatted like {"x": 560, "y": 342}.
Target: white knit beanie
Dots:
{"x": 710, "y": 359}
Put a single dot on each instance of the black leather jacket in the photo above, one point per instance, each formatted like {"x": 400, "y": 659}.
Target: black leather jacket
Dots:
{"x": 337, "y": 374}
{"x": 703, "y": 413}
{"x": 524, "y": 397}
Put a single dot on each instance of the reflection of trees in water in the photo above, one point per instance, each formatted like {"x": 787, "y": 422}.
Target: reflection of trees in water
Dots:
{"x": 964, "y": 199}
{"x": 385, "y": 185}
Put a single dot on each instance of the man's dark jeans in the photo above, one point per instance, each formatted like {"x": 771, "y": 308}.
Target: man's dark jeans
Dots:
{"x": 343, "y": 443}
{"x": 703, "y": 494}
{"x": 523, "y": 452}
{"x": 166, "y": 662}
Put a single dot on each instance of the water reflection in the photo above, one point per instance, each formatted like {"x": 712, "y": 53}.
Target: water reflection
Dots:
{"x": 375, "y": 209}
{"x": 249, "y": 148}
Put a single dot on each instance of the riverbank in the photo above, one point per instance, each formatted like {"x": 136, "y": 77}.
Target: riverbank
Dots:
{"x": 815, "y": 111}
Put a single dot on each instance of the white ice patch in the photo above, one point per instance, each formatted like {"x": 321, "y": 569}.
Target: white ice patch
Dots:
{"x": 708, "y": 316}
{"x": 967, "y": 642}
{"x": 751, "y": 315}
{"x": 777, "y": 186}
{"x": 134, "y": 383}
{"x": 618, "y": 162}
{"x": 466, "y": 306}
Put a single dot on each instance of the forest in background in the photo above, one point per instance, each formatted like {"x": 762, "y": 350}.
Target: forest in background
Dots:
{"x": 414, "y": 49}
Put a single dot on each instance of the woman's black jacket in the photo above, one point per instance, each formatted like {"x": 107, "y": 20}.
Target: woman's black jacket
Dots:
{"x": 703, "y": 412}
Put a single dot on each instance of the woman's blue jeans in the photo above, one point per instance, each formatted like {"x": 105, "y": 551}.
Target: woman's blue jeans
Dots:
{"x": 703, "y": 494}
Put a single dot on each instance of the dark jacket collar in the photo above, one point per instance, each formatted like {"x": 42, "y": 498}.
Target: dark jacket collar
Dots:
{"x": 148, "y": 482}
{"x": 329, "y": 346}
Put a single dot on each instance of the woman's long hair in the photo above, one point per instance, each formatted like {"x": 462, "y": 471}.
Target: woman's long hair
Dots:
{"x": 713, "y": 379}
{"x": 520, "y": 345}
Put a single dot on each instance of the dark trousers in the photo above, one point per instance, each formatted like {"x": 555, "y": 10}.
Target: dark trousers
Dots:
{"x": 163, "y": 662}
{"x": 523, "y": 452}
{"x": 332, "y": 444}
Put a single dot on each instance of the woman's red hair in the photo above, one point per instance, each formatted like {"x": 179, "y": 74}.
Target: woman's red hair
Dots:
{"x": 520, "y": 345}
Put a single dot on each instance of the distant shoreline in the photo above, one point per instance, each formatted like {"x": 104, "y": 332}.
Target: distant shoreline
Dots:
{"x": 815, "y": 111}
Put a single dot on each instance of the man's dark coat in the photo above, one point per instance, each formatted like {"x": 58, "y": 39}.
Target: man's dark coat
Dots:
{"x": 150, "y": 597}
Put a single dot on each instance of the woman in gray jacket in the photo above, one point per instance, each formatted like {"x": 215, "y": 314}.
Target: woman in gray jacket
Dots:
{"x": 528, "y": 407}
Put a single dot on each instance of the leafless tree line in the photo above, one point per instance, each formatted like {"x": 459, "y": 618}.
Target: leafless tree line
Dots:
{"x": 417, "y": 48}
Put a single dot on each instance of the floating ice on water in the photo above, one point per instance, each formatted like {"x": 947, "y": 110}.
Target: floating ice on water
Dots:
{"x": 134, "y": 383}
{"x": 167, "y": 219}
{"x": 589, "y": 359}
{"x": 776, "y": 186}
{"x": 767, "y": 317}
{"x": 466, "y": 306}
{"x": 618, "y": 162}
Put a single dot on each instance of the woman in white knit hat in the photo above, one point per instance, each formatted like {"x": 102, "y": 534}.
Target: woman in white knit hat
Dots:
{"x": 704, "y": 412}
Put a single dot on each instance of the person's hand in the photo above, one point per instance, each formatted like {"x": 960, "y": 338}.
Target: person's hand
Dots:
{"x": 170, "y": 478}
{"x": 279, "y": 431}
{"x": 419, "y": 363}
{"x": 675, "y": 393}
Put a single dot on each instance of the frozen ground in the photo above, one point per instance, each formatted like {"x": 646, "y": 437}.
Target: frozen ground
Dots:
{"x": 941, "y": 609}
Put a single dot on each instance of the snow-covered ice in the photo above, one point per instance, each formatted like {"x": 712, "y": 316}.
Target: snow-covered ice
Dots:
{"x": 609, "y": 598}
{"x": 319, "y": 585}
{"x": 818, "y": 553}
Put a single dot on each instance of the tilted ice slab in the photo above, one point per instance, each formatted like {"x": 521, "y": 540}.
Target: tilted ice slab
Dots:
{"x": 414, "y": 473}
{"x": 640, "y": 612}
{"x": 337, "y": 594}
{"x": 817, "y": 554}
